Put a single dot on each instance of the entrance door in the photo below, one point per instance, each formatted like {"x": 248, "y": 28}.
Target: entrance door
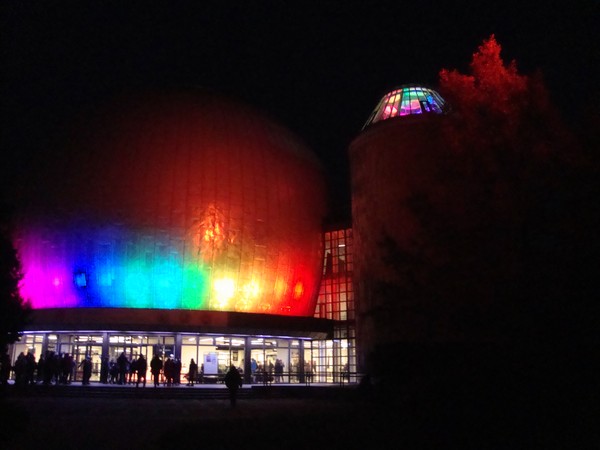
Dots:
{"x": 64, "y": 349}
{"x": 132, "y": 351}
{"x": 80, "y": 352}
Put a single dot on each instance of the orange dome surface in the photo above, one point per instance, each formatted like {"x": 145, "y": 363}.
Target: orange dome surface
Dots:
{"x": 182, "y": 199}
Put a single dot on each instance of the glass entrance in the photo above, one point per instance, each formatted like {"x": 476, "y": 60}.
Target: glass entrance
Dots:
{"x": 82, "y": 351}
{"x": 131, "y": 347}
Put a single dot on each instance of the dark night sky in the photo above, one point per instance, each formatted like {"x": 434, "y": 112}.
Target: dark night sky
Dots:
{"x": 318, "y": 69}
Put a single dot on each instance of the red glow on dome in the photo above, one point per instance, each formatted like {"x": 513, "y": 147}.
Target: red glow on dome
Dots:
{"x": 183, "y": 200}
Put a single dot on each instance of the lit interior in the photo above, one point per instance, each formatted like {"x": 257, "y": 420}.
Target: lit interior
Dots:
{"x": 407, "y": 100}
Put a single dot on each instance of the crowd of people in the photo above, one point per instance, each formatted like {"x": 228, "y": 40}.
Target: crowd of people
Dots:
{"x": 267, "y": 373}
{"x": 50, "y": 368}
{"x": 133, "y": 371}
{"x": 124, "y": 370}
{"x": 55, "y": 368}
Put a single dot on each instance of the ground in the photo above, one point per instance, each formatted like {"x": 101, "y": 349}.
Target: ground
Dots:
{"x": 73, "y": 423}
{"x": 422, "y": 420}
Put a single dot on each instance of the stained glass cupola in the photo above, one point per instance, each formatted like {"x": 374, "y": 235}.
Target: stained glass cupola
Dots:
{"x": 408, "y": 99}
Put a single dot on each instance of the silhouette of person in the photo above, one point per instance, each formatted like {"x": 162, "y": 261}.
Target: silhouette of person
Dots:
{"x": 40, "y": 369}
{"x": 132, "y": 373}
{"x": 278, "y": 370}
{"x": 65, "y": 368}
{"x": 142, "y": 367}
{"x": 176, "y": 371}
{"x": 156, "y": 366}
{"x": 113, "y": 371}
{"x": 86, "y": 365}
{"x": 233, "y": 381}
{"x": 104, "y": 370}
{"x": 30, "y": 366}
{"x": 122, "y": 364}
{"x": 50, "y": 367}
{"x": 192, "y": 372}
{"x": 169, "y": 371}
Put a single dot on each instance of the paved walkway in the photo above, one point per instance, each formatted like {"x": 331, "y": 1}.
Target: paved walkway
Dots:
{"x": 114, "y": 423}
{"x": 182, "y": 391}
{"x": 421, "y": 419}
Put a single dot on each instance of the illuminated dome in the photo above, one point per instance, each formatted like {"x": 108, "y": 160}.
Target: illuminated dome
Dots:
{"x": 407, "y": 100}
{"x": 178, "y": 200}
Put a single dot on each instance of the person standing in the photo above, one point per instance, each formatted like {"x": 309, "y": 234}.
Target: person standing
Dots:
{"x": 123, "y": 365}
{"x": 65, "y": 368}
{"x": 104, "y": 370}
{"x": 30, "y": 366}
{"x": 192, "y": 372}
{"x": 132, "y": 372}
{"x": 253, "y": 368}
{"x": 278, "y": 370}
{"x": 176, "y": 371}
{"x": 113, "y": 370}
{"x": 169, "y": 371}
{"x": 233, "y": 381}
{"x": 142, "y": 367}
{"x": 86, "y": 365}
{"x": 39, "y": 374}
{"x": 156, "y": 366}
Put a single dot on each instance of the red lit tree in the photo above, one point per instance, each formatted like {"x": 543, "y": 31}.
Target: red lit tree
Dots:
{"x": 495, "y": 106}
{"x": 498, "y": 285}
{"x": 502, "y": 225}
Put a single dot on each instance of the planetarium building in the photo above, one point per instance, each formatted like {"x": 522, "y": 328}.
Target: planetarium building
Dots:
{"x": 189, "y": 225}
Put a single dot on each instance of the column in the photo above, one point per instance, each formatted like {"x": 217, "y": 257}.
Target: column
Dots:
{"x": 247, "y": 357}
{"x": 177, "y": 349}
{"x": 301, "y": 377}
{"x": 104, "y": 359}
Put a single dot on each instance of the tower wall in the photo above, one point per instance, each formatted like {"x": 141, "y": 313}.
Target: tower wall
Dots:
{"x": 390, "y": 162}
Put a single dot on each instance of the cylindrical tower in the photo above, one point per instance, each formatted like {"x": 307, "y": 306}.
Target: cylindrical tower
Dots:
{"x": 392, "y": 156}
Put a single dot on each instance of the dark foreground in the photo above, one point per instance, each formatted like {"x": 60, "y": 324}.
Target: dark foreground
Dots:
{"x": 356, "y": 420}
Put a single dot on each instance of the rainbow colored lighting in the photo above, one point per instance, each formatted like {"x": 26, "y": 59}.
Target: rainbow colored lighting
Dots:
{"x": 407, "y": 100}
{"x": 176, "y": 201}
{"x": 111, "y": 269}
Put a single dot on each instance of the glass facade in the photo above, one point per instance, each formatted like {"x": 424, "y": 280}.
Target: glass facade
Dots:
{"x": 263, "y": 359}
{"x": 176, "y": 202}
{"x": 267, "y": 359}
{"x": 336, "y": 296}
{"x": 336, "y": 359}
{"x": 185, "y": 201}
{"x": 407, "y": 100}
